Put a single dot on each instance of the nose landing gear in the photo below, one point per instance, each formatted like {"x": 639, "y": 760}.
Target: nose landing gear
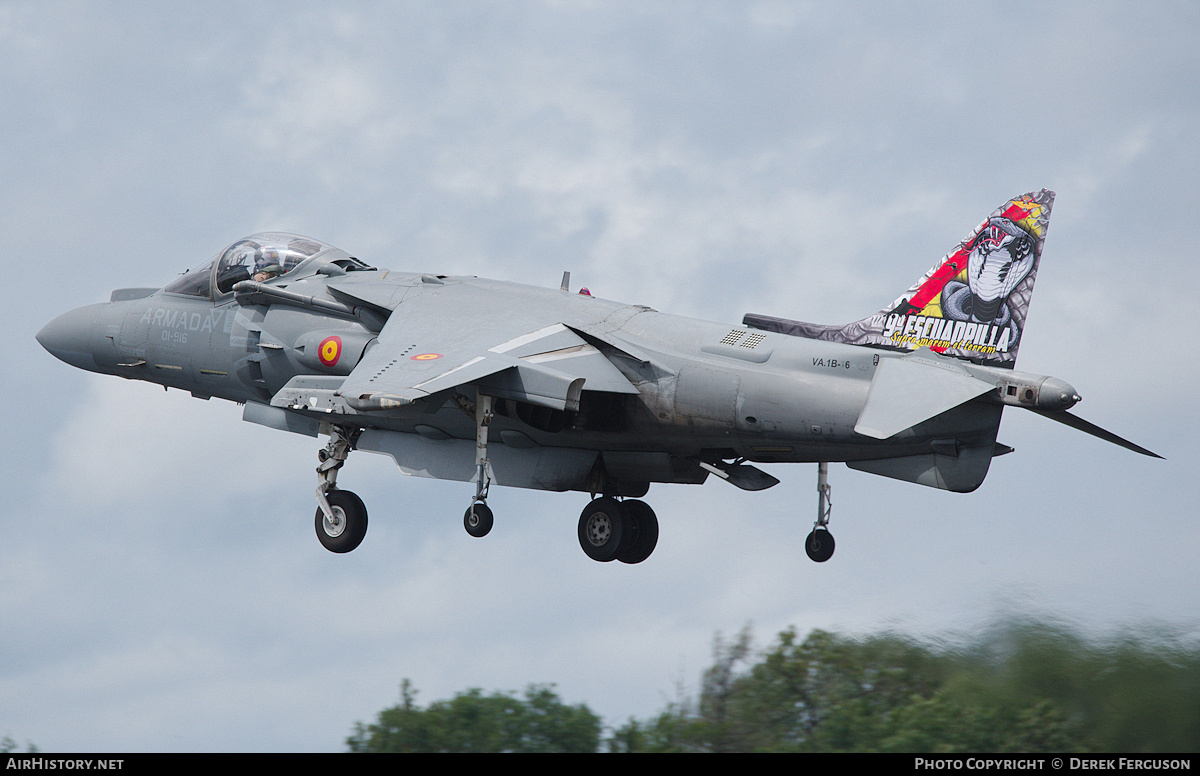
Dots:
{"x": 341, "y": 521}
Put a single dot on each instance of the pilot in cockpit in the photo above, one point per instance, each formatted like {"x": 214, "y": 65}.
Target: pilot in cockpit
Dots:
{"x": 267, "y": 264}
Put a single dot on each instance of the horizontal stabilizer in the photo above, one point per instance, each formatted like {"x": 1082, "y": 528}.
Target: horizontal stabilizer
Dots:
{"x": 906, "y": 391}
{"x": 962, "y": 472}
{"x": 1076, "y": 422}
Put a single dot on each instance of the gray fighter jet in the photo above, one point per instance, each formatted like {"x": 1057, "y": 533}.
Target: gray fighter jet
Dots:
{"x": 492, "y": 382}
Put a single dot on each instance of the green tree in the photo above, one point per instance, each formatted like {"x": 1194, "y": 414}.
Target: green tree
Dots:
{"x": 474, "y": 722}
{"x": 1138, "y": 691}
{"x": 1019, "y": 687}
{"x": 8, "y": 745}
{"x": 831, "y": 693}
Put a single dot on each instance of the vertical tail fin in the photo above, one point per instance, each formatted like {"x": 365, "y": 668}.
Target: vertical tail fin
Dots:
{"x": 972, "y": 304}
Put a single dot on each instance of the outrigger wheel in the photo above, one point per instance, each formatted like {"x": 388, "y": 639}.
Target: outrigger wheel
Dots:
{"x": 819, "y": 545}
{"x": 478, "y": 519}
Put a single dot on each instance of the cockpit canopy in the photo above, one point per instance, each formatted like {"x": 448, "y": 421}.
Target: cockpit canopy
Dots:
{"x": 262, "y": 257}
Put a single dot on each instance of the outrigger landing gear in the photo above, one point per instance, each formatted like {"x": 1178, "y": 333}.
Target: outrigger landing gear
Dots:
{"x": 819, "y": 544}
{"x": 341, "y": 520}
{"x": 478, "y": 518}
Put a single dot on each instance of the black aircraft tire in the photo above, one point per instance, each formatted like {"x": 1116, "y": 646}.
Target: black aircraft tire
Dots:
{"x": 482, "y": 522}
{"x": 644, "y": 532}
{"x": 819, "y": 545}
{"x": 602, "y": 529}
{"x": 350, "y": 509}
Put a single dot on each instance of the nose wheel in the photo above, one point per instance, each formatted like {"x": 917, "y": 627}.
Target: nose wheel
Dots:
{"x": 343, "y": 528}
{"x": 341, "y": 520}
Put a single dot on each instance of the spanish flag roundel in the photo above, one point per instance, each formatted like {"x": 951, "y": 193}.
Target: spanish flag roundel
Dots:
{"x": 330, "y": 350}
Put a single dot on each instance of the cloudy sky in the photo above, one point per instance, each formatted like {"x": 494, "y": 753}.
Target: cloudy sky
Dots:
{"x": 161, "y": 588}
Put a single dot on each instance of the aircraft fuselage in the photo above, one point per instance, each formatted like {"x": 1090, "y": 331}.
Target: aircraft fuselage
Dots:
{"x": 705, "y": 391}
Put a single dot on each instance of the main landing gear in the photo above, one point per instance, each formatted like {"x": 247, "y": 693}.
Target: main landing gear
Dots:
{"x": 618, "y": 530}
{"x": 819, "y": 544}
{"x": 608, "y": 529}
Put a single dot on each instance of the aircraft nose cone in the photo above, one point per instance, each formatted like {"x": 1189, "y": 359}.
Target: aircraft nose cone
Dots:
{"x": 70, "y": 336}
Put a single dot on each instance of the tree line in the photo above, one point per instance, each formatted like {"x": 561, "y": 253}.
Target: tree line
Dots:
{"x": 1018, "y": 687}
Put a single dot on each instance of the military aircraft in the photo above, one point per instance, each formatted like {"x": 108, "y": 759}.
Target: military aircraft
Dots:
{"x": 494, "y": 382}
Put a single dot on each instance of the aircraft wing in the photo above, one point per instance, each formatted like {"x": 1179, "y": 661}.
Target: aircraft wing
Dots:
{"x": 443, "y": 338}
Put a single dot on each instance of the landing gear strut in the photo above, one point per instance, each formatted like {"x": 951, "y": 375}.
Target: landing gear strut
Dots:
{"x": 819, "y": 544}
{"x": 341, "y": 521}
{"x": 478, "y": 518}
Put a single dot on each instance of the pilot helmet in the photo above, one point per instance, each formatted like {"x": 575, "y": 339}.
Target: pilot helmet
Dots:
{"x": 268, "y": 259}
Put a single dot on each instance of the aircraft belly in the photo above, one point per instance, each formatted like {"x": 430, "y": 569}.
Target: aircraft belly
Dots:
{"x": 542, "y": 468}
